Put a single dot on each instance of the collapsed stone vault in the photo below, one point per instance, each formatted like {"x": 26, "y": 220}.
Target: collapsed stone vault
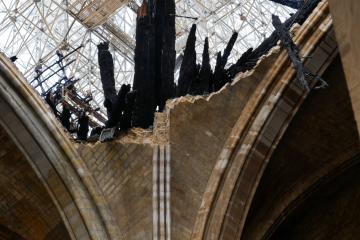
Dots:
{"x": 208, "y": 170}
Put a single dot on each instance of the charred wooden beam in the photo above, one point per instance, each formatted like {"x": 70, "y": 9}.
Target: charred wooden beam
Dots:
{"x": 188, "y": 67}
{"x": 165, "y": 54}
{"x": 206, "y": 73}
{"x": 144, "y": 78}
{"x": 65, "y": 117}
{"x": 50, "y": 100}
{"x": 118, "y": 107}
{"x": 220, "y": 77}
{"x": 249, "y": 59}
{"x": 125, "y": 121}
{"x": 218, "y": 73}
{"x": 243, "y": 63}
{"x": 228, "y": 49}
{"x": 83, "y": 126}
{"x": 294, "y": 55}
{"x": 293, "y": 50}
{"x": 79, "y": 103}
{"x": 200, "y": 84}
{"x": 74, "y": 110}
{"x": 154, "y": 59}
{"x": 106, "y": 65}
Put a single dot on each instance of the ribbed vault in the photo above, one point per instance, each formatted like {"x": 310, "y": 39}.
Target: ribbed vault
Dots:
{"x": 226, "y": 149}
{"x": 26, "y": 209}
{"x": 47, "y": 149}
{"x": 316, "y": 148}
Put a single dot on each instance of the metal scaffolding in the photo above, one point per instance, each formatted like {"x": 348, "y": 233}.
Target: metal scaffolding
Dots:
{"x": 34, "y": 30}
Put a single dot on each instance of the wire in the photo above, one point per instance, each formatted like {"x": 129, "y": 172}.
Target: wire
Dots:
{"x": 298, "y": 13}
{"x": 180, "y": 16}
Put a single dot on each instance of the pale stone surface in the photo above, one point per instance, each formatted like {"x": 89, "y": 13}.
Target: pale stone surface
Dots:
{"x": 346, "y": 22}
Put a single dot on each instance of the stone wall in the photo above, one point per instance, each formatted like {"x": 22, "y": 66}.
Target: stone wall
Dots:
{"x": 119, "y": 175}
{"x": 123, "y": 172}
{"x": 346, "y": 22}
{"x": 330, "y": 213}
{"x": 199, "y": 128}
{"x": 47, "y": 149}
{"x": 26, "y": 209}
{"x": 317, "y": 142}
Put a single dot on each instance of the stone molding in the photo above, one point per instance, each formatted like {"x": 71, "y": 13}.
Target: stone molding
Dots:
{"x": 53, "y": 157}
{"x": 256, "y": 134}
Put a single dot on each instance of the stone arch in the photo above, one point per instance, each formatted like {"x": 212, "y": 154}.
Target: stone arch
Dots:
{"x": 327, "y": 211}
{"x": 327, "y": 176}
{"x": 6, "y": 233}
{"x": 26, "y": 208}
{"x": 306, "y": 158}
{"x": 239, "y": 168}
{"x": 50, "y": 153}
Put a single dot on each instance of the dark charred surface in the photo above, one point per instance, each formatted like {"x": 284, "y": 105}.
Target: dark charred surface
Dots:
{"x": 165, "y": 51}
{"x": 83, "y": 128}
{"x": 144, "y": 79}
{"x": 188, "y": 67}
{"x": 192, "y": 82}
{"x": 65, "y": 117}
{"x": 249, "y": 59}
{"x": 106, "y": 65}
{"x": 220, "y": 78}
{"x": 155, "y": 63}
{"x": 290, "y": 3}
{"x": 154, "y": 60}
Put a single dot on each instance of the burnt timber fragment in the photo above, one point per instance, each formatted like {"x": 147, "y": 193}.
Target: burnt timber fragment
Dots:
{"x": 292, "y": 49}
{"x": 205, "y": 71}
{"x": 249, "y": 59}
{"x": 13, "y": 58}
{"x": 199, "y": 79}
{"x": 155, "y": 64}
{"x": 154, "y": 59}
{"x": 188, "y": 67}
{"x": 293, "y": 52}
{"x": 124, "y": 90}
{"x": 290, "y": 3}
{"x": 50, "y": 100}
{"x": 118, "y": 106}
{"x": 106, "y": 65}
{"x": 165, "y": 54}
{"x": 229, "y": 48}
{"x": 65, "y": 117}
{"x": 83, "y": 126}
{"x": 218, "y": 74}
{"x": 201, "y": 83}
{"x": 244, "y": 63}
{"x": 125, "y": 120}
{"x": 220, "y": 78}
{"x": 195, "y": 79}
{"x": 144, "y": 78}
{"x": 114, "y": 103}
